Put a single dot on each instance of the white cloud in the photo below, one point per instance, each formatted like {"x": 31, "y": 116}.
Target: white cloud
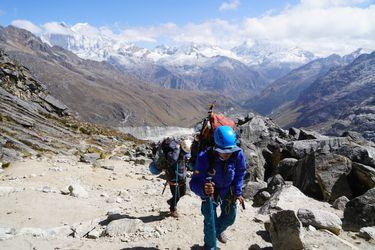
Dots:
{"x": 330, "y": 3}
{"x": 321, "y": 29}
{"x": 214, "y": 32}
{"x": 232, "y": 5}
{"x": 149, "y": 34}
{"x": 57, "y": 28}
{"x": 27, "y": 25}
{"x": 320, "y": 26}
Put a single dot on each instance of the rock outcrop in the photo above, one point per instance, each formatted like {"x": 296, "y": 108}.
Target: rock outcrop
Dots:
{"x": 360, "y": 212}
{"x": 286, "y": 231}
{"x": 323, "y": 176}
{"x": 323, "y": 167}
{"x": 320, "y": 219}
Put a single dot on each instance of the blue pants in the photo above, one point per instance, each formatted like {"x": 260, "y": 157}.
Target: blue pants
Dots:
{"x": 226, "y": 219}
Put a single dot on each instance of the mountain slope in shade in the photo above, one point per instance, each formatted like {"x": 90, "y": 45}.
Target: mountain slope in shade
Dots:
{"x": 98, "y": 92}
{"x": 340, "y": 100}
{"x": 288, "y": 88}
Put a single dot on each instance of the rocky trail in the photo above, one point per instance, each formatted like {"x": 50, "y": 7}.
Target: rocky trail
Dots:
{"x": 114, "y": 204}
{"x": 35, "y": 213}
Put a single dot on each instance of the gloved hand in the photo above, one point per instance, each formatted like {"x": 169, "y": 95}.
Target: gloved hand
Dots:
{"x": 209, "y": 188}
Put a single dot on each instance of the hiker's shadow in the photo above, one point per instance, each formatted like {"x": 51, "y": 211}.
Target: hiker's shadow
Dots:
{"x": 144, "y": 219}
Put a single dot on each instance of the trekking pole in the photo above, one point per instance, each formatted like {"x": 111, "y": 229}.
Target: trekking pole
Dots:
{"x": 212, "y": 214}
{"x": 176, "y": 188}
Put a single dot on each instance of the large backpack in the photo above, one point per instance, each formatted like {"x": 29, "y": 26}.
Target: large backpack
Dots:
{"x": 205, "y": 138}
{"x": 160, "y": 158}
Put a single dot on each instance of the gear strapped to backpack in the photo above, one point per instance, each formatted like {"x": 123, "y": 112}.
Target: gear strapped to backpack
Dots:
{"x": 161, "y": 154}
{"x": 205, "y": 138}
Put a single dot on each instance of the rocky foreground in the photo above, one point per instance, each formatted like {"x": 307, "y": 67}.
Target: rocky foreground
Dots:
{"x": 58, "y": 202}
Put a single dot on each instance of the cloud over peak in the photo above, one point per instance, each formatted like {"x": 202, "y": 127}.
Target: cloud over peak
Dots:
{"x": 320, "y": 26}
{"x": 27, "y": 25}
{"x": 232, "y": 5}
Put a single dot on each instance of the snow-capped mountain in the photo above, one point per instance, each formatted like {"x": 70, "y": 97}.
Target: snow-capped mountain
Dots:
{"x": 271, "y": 59}
{"x": 82, "y": 39}
{"x": 266, "y": 53}
{"x": 91, "y": 43}
{"x": 190, "y": 66}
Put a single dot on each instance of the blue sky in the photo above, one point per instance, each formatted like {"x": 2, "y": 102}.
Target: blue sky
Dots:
{"x": 320, "y": 26}
{"x": 132, "y": 13}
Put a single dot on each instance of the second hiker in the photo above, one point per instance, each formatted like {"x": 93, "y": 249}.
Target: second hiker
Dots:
{"x": 172, "y": 156}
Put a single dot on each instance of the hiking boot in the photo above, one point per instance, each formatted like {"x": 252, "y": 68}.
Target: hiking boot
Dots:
{"x": 222, "y": 238}
{"x": 170, "y": 202}
{"x": 175, "y": 214}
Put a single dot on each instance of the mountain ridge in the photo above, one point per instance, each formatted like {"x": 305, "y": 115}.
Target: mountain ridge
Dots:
{"x": 288, "y": 87}
{"x": 340, "y": 100}
{"x": 98, "y": 92}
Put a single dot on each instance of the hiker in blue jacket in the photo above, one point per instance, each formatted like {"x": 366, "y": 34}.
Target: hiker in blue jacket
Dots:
{"x": 219, "y": 174}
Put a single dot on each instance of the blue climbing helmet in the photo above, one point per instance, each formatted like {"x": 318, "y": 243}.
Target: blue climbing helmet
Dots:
{"x": 225, "y": 140}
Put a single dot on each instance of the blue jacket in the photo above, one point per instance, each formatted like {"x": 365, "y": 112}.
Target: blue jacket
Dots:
{"x": 229, "y": 173}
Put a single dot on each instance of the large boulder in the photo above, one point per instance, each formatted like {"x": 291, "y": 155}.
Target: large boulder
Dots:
{"x": 356, "y": 138}
{"x": 260, "y": 198}
{"x": 286, "y": 231}
{"x": 257, "y": 133}
{"x": 286, "y": 168}
{"x": 360, "y": 212}
{"x": 294, "y": 133}
{"x": 273, "y": 154}
{"x": 289, "y": 197}
{"x": 300, "y": 149}
{"x": 361, "y": 178}
{"x": 323, "y": 176}
{"x": 252, "y": 187}
{"x": 320, "y": 219}
{"x": 310, "y": 135}
{"x": 357, "y": 153}
{"x": 254, "y": 160}
{"x": 273, "y": 184}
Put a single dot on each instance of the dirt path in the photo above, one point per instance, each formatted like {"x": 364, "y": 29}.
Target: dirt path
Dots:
{"x": 31, "y": 199}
